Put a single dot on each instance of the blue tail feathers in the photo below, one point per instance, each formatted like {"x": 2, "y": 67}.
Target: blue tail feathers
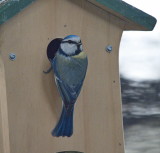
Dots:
{"x": 64, "y": 126}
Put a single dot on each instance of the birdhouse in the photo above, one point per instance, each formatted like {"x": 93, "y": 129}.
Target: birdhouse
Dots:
{"x": 30, "y": 104}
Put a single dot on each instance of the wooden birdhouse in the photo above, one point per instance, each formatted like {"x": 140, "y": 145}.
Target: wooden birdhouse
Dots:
{"x": 30, "y": 104}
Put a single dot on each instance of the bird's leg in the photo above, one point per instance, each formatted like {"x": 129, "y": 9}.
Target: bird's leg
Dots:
{"x": 48, "y": 71}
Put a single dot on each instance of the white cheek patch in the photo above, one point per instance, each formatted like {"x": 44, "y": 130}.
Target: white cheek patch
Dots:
{"x": 69, "y": 49}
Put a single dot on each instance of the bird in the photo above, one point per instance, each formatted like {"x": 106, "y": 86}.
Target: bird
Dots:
{"x": 69, "y": 63}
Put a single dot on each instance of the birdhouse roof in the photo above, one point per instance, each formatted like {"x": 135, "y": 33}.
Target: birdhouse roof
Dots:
{"x": 134, "y": 18}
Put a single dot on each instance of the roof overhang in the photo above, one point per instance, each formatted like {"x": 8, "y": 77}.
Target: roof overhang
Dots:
{"x": 134, "y": 18}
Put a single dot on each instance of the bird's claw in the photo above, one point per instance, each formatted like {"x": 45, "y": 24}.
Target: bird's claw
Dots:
{"x": 48, "y": 71}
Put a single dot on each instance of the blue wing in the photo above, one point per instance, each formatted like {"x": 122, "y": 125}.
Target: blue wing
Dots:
{"x": 69, "y": 77}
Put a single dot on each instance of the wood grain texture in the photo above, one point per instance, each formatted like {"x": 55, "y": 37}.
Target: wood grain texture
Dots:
{"x": 4, "y": 128}
{"x": 34, "y": 104}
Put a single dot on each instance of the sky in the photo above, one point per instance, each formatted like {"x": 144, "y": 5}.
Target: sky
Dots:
{"x": 140, "y": 50}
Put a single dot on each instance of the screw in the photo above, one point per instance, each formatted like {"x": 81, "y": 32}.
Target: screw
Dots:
{"x": 12, "y": 56}
{"x": 109, "y": 48}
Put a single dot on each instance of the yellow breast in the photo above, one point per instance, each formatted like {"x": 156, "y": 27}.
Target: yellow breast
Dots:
{"x": 81, "y": 55}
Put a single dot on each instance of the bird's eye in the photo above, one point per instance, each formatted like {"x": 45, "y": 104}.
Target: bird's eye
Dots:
{"x": 69, "y": 41}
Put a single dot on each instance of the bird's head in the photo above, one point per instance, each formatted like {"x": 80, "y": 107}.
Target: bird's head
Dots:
{"x": 71, "y": 45}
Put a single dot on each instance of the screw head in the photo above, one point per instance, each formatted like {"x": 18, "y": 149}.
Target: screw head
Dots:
{"x": 12, "y": 56}
{"x": 109, "y": 48}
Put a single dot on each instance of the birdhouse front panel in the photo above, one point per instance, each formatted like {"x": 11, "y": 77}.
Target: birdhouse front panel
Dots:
{"x": 30, "y": 102}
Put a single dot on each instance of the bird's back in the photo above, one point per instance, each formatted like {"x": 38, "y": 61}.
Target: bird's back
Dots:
{"x": 72, "y": 69}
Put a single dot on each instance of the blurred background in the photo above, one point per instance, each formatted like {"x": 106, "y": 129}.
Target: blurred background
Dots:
{"x": 140, "y": 83}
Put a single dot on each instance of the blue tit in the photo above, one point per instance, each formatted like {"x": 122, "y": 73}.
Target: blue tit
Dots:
{"x": 69, "y": 65}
